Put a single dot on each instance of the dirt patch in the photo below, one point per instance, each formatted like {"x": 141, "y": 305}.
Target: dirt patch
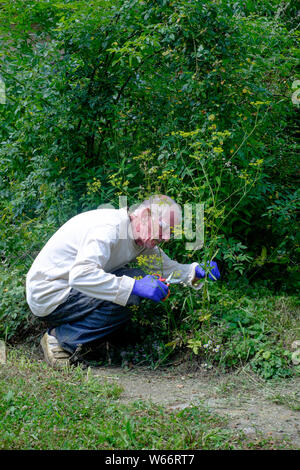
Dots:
{"x": 250, "y": 404}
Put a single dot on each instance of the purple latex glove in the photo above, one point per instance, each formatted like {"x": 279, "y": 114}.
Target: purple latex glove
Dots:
{"x": 200, "y": 272}
{"x": 150, "y": 287}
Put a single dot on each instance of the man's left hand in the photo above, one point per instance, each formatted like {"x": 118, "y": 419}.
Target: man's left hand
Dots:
{"x": 214, "y": 271}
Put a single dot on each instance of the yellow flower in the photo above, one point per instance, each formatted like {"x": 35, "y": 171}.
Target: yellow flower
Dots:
{"x": 258, "y": 103}
{"x": 258, "y": 162}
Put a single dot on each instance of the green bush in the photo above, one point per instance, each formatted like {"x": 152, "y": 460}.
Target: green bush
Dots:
{"x": 14, "y": 311}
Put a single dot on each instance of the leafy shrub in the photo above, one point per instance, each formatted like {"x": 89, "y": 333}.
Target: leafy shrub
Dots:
{"x": 13, "y": 307}
{"x": 272, "y": 363}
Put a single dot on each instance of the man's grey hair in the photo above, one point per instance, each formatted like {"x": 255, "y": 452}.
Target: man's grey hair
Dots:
{"x": 160, "y": 205}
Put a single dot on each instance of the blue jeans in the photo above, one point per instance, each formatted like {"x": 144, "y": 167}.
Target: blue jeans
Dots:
{"x": 82, "y": 319}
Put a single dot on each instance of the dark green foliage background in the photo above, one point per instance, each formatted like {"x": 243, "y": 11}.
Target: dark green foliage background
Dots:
{"x": 109, "y": 98}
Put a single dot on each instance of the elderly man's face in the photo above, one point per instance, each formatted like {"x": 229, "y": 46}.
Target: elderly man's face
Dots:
{"x": 149, "y": 229}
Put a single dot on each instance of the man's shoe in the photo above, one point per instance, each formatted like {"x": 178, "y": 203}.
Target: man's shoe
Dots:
{"x": 54, "y": 354}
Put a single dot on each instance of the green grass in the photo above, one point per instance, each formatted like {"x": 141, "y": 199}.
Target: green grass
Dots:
{"x": 290, "y": 400}
{"x": 46, "y": 409}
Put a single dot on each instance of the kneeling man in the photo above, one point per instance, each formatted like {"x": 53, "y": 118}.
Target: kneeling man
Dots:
{"x": 79, "y": 283}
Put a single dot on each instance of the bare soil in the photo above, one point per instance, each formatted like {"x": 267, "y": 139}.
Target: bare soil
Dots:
{"x": 256, "y": 407}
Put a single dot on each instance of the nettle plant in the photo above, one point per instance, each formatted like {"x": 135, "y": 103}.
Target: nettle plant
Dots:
{"x": 204, "y": 170}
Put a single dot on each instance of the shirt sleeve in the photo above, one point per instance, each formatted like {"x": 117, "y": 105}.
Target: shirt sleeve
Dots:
{"x": 157, "y": 261}
{"x": 87, "y": 273}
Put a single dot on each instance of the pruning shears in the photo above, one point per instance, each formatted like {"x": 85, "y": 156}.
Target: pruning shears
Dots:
{"x": 166, "y": 281}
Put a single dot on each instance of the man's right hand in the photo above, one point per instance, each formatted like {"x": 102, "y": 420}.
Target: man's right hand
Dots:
{"x": 151, "y": 288}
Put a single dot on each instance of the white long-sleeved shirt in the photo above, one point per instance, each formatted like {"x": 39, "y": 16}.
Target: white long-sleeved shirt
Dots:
{"x": 83, "y": 253}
